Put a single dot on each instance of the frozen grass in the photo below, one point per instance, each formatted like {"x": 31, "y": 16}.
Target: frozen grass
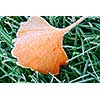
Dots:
{"x": 82, "y": 45}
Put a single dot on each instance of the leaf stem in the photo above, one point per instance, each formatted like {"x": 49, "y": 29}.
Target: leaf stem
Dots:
{"x": 67, "y": 29}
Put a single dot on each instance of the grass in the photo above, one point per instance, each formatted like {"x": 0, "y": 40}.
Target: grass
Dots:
{"x": 82, "y": 45}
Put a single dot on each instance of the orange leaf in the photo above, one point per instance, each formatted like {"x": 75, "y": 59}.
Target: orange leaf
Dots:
{"x": 39, "y": 46}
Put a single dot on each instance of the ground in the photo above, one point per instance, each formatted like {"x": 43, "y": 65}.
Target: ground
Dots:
{"x": 81, "y": 44}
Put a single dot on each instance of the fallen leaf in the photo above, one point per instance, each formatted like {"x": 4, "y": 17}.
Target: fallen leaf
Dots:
{"x": 38, "y": 45}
